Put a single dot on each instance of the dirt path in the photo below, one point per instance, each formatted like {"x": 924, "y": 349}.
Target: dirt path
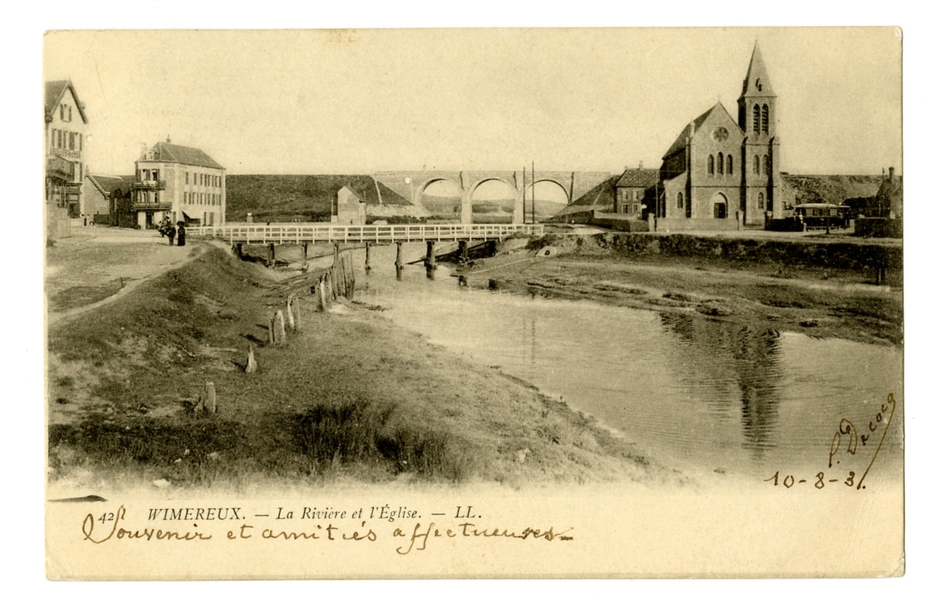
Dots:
{"x": 96, "y": 266}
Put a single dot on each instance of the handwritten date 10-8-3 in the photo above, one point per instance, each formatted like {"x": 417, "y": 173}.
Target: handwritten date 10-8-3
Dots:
{"x": 819, "y": 482}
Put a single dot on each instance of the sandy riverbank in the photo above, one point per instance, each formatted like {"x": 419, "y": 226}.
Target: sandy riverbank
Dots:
{"x": 351, "y": 397}
{"x": 817, "y": 301}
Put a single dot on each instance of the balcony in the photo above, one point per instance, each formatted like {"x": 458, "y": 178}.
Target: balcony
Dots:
{"x": 151, "y": 206}
{"x": 66, "y": 153}
{"x": 153, "y": 184}
{"x": 60, "y": 168}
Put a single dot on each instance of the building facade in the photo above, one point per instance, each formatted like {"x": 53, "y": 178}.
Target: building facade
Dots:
{"x": 350, "y": 208}
{"x": 178, "y": 182}
{"x": 633, "y": 190}
{"x": 66, "y": 122}
{"x": 720, "y": 173}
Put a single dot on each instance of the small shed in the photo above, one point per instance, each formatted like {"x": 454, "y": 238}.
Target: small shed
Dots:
{"x": 350, "y": 208}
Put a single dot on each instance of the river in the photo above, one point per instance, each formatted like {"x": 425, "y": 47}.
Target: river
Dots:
{"x": 697, "y": 394}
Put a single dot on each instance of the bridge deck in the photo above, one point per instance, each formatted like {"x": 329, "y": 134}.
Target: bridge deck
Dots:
{"x": 284, "y": 233}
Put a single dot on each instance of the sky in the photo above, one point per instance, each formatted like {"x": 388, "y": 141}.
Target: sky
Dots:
{"x": 365, "y": 100}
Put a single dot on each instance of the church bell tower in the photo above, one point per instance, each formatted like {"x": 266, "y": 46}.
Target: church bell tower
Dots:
{"x": 758, "y": 118}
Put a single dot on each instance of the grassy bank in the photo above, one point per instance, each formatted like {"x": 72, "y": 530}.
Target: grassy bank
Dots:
{"x": 754, "y": 287}
{"x": 350, "y": 396}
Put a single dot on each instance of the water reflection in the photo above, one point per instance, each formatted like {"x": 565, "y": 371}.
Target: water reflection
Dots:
{"x": 708, "y": 393}
{"x": 720, "y": 359}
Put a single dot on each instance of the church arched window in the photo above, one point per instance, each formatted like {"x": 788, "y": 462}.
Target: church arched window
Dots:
{"x": 761, "y": 201}
{"x": 719, "y": 163}
{"x": 729, "y": 165}
{"x": 755, "y": 164}
{"x": 710, "y": 165}
{"x": 765, "y": 118}
{"x": 756, "y": 118}
{"x": 679, "y": 199}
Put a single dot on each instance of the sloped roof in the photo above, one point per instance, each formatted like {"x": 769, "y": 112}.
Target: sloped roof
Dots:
{"x": 55, "y": 91}
{"x": 173, "y": 153}
{"x": 358, "y": 195}
{"x": 639, "y": 178}
{"x": 601, "y": 195}
{"x": 756, "y": 81}
{"x": 110, "y": 183}
{"x": 683, "y": 138}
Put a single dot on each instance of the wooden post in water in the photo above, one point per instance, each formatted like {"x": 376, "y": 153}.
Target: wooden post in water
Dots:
{"x": 463, "y": 251}
{"x": 272, "y": 253}
{"x": 251, "y": 365}
{"x": 430, "y": 254}
{"x": 305, "y": 251}
{"x": 367, "y": 267}
{"x": 398, "y": 256}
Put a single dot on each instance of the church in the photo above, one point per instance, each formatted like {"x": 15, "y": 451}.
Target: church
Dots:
{"x": 720, "y": 174}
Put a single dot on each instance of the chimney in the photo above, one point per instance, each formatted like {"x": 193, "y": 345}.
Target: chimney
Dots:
{"x": 891, "y": 174}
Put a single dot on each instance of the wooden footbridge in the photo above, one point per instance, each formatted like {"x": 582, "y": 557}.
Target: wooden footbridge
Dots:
{"x": 311, "y": 233}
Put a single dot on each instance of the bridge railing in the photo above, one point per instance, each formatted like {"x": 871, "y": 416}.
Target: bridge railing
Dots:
{"x": 294, "y": 233}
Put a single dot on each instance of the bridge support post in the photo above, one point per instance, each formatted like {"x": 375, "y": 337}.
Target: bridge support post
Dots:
{"x": 336, "y": 252}
{"x": 272, "y": 253}
{"x": 367, "y": 267}
{"x": 239, "y": 250}
{"x": 398, "y": 257}
{"x": 430, "y": 259}
{"x": 305, "y": 248}
{"x": 463, "y": 251}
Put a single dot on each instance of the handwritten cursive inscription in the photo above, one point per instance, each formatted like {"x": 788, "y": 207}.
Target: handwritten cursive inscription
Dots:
{"x": 857, "y": 438}
{"x": 419, "y": 538}
{"x": 146, "y": 533}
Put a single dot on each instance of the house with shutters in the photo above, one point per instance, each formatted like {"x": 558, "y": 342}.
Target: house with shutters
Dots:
{"x": 66, "y": 121}
{"x": 178, "y": 182}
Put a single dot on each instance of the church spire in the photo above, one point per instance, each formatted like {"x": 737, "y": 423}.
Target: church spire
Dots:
{"x": 757, "y": 82}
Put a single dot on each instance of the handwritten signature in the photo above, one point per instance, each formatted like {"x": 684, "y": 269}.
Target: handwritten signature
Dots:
{"x": 856, "y": 438}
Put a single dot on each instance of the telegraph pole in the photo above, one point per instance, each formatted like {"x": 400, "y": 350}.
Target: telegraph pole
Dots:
{"x": 532, "y": 192}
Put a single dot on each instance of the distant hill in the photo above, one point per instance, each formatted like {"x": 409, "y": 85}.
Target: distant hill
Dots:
{"x": 831, "y": 188}
{"x": 301, "y": 197}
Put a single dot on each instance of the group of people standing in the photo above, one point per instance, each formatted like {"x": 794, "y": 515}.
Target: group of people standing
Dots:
{"x": 168, "y": 230}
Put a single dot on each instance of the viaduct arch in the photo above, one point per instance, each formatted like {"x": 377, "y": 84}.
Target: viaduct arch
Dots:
{"x": 412, "y": 185}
